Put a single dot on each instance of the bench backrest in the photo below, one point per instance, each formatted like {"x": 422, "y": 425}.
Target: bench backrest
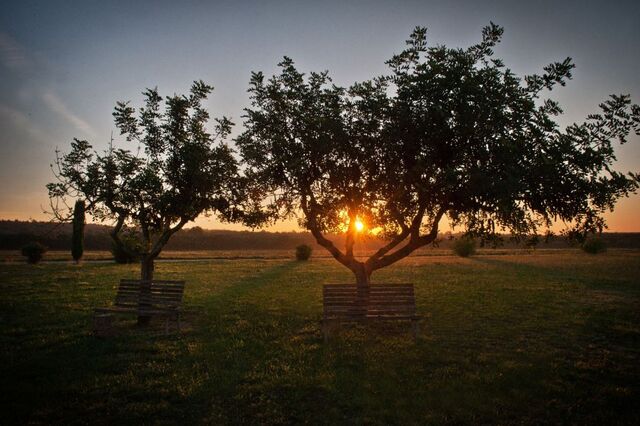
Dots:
{"x": 377, "y": 300}
{"x": 161, "y": 294}
{"x": 128, "y": 295}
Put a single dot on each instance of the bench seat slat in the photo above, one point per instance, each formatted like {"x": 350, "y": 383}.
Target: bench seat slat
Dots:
{"x": 155, "y": 298}
{"x": 348, "y": 303}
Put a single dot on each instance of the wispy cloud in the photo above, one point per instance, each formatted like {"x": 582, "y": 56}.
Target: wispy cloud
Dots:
{"x": 22, "y": 122}
{"x": 56, "y": 105}
{"x": 13, "y": 55}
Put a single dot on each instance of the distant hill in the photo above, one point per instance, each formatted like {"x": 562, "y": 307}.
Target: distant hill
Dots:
{"x": 14, "y": 234}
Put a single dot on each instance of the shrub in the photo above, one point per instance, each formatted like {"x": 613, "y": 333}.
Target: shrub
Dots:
{"x": 464, "y": 246}
{"x": 594, "y": 245}
{"x": 33, "y": 252}
{"x": 303, "y": 252}
{"x": 128, "y": 254}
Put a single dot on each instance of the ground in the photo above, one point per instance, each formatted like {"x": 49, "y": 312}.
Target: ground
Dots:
{"x": 551, "y": 336}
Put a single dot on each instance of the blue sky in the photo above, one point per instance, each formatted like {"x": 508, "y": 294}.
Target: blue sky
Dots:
{"x": 63, "y": 65}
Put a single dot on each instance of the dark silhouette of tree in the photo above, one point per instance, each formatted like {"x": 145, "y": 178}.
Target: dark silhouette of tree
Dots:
{"x": 449, "y": 132}
{"x": 77, "y": 236}
{"x": 178, "y": 171}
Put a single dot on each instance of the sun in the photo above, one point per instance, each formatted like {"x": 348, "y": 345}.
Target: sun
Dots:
{"x": 359, "y": 225}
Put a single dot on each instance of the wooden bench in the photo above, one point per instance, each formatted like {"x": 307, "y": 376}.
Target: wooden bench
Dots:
{"x": 158, "y": 298}
{"x": 345, "y": 303}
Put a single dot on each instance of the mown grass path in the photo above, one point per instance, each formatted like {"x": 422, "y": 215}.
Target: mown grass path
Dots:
{"x": 507, "y": 339}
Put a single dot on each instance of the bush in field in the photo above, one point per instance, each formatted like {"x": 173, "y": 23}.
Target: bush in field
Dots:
{"x": 128, "y": 251}
{"x": 594, "y": 245}
{"x": 464, "y": 246}
{"x": 303, "y": 252}
{"x": 34, "y": 252}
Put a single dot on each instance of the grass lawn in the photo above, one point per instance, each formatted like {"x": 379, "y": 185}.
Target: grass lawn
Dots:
{"x": 509, "y": 339}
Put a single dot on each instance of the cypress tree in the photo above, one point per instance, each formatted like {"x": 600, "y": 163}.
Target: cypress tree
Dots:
{"x": 77, "y": 239}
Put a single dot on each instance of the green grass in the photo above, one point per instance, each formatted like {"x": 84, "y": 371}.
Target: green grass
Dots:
{"x": 511, "y": 339}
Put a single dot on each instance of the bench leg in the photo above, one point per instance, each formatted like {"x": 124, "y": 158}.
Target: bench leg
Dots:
{"x": 325, "y": 331}
{"x": 416, "y": 328}
{"x": 102, "y": 325}
{"x": 178, "y": 322}
{"x": 166, "y": 325}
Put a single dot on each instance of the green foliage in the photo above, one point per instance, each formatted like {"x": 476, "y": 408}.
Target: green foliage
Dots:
{"x": 77, "y": 237}
{"x": 464, "y": 246}
{"x": 128, "y": 250}
{"x": 182, "y": 171}
{"x": 303, "y": 252}
{"x": 33, "y": 252}
{"x": 594, "y": 245}
{"x": 447, "y": 132}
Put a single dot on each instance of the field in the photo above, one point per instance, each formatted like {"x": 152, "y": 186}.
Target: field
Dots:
{"x": 528, "y": 338}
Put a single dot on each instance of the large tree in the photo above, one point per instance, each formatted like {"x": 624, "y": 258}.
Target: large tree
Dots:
{"x": 176, "y": 171}
{"x": 447, "y": 133}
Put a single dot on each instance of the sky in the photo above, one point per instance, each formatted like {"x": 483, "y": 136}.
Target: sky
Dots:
{"x": 64, "y": 65}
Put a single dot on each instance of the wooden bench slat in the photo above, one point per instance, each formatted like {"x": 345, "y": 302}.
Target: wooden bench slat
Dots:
{"x": 117, "y": 309}
{"x": 167, "y": 293}
{"x": 329, "y": 286}
{"x": 389, "y": 308}
{"x": 342, "y": 293}
{"x": 370, "y": 316}
{"x": 372, "y": 299}
{"x": 371, "y": 308}
{"x": 381, "y": 290}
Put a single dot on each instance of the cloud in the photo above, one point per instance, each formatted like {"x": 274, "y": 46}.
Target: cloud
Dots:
{"x": 13, "y": 55}
{"x": 22, "y": 122}
{"x": 56, "y": 105}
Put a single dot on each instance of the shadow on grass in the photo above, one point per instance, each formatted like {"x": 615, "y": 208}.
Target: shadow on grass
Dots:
{"x": 264, "y": 362}
{"x": 515, "y": 353}
{"x": 576, "y": 274}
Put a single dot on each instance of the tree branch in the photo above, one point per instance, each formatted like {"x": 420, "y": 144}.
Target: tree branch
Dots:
{"x": 393, "y": 243}
{"x": 309, "y": 212}
{"x": 164, "y": 237}
{"x": 115, "y": 235}
{"x": 413, "y": 244}
{"x": 350, "y": 239}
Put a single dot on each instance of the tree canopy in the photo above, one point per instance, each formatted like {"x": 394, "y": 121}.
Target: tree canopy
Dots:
{"x": 176, "y": 171}
{"x": 446, "y": 133}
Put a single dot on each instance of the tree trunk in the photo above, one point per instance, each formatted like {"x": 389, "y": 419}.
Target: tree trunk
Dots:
{"x": 363, "y": 280}
{"x": 146, "y": 276}
{"x": 77, "y": 238}
{"x": 146, "y": 268}
{"x": 363, "y": 276}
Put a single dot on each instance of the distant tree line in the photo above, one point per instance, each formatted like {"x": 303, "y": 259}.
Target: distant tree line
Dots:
{"x": 15, "y": 234}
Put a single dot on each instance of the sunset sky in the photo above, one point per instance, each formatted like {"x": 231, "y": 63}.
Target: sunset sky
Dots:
{"x": 63, "y": 65}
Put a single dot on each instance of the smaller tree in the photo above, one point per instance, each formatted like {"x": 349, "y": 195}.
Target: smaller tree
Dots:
{"x": 33, "y": 251}
{"x": 594, "y": 244}
{"x": 303, "y": 252}
{"x": 77, "y": 238}
{"x": 128, "y": 248}
{"x": 177, "y": 171}
{"x": 464, "y": 246}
